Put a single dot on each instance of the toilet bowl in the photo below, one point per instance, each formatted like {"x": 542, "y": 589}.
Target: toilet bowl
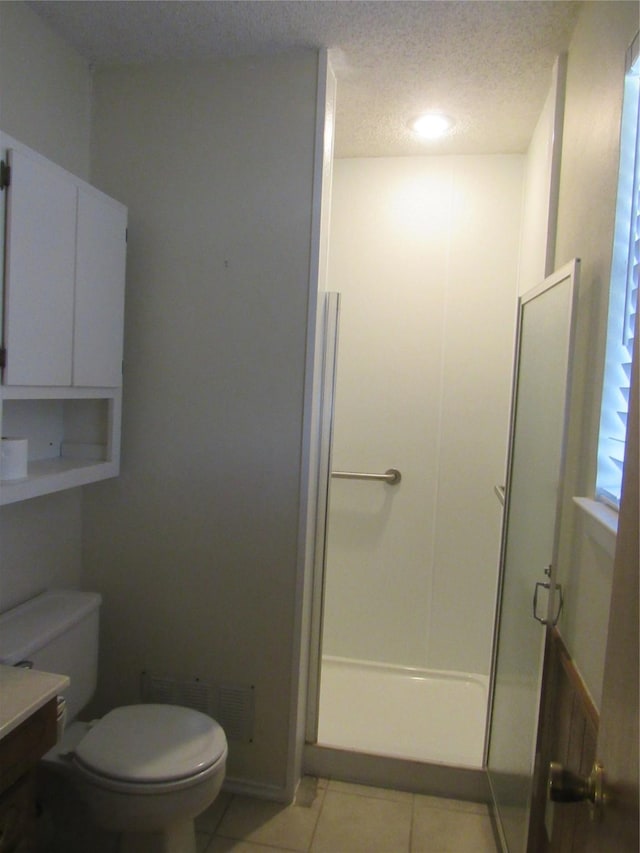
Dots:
{"x": 143, "y": 770}
{"x": 151, "y": 769}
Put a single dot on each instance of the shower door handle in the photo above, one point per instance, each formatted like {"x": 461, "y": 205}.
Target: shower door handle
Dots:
{"x": 546, "y": 585}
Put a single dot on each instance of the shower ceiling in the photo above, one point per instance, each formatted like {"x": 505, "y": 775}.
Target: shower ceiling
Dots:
{"x": 486, "y": 64}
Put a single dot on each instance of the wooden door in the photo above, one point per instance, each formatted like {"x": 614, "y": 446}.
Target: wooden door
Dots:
{"x": 617, "y": 748}
{"x": 574, "y": 734}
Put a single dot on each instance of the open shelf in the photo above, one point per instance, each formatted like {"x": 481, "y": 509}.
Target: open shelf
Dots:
{"x": 73, "y": 437}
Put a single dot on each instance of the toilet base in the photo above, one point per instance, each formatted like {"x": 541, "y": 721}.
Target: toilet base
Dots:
{"x": 179, "y": 837}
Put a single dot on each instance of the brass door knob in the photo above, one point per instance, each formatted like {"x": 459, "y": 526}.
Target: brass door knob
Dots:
{"x": 568, "y": 787}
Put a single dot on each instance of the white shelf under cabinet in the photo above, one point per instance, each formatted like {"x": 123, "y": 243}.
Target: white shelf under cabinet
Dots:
{"x": 74, "y": 437}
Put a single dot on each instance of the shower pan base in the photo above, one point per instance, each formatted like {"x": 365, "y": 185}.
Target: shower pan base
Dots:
{"x": 398, "y": 712}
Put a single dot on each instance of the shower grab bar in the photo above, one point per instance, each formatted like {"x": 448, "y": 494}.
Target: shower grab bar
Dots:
{"x": 391, "y": 476}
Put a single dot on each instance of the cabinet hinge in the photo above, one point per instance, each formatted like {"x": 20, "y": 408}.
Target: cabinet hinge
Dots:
{"x": 5, "y": 175}
{"x": 3, "y": 358}
{"x": 126, "y": 235}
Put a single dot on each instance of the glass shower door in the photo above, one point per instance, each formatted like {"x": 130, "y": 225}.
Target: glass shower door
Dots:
{"x": 529, "y": 543}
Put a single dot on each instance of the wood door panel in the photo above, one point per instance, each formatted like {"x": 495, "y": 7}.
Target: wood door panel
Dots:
{"x": 568, "y": 735}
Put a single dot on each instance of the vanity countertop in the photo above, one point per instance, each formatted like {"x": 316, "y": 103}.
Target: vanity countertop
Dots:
{"x": 24, "y": 691}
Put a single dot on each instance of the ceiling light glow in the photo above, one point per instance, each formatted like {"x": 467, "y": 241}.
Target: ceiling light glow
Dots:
{"x": 431, "y": 125}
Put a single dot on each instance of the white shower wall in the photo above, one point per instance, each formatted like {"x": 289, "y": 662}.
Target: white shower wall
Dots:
{"x": 425, "y": 254}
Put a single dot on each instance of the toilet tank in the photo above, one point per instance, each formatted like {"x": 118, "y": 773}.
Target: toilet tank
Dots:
{"x": 58, "y": 632}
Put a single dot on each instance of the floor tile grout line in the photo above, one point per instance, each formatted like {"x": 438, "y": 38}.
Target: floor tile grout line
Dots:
{"x": 266, "y": 844}
{"x": 223, "y": 814}
{"x": 259, "y": 844}
{"x": 322, "y": 792}
{"x": 362, "y": 795}
{"x": 413, "y": 811}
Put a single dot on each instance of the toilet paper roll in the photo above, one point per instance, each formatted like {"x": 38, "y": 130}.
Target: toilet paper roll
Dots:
{"x": 13, "y": 458}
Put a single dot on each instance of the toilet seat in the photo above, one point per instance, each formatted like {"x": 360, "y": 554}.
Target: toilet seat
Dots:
{"x": 121, "y": 786}
{"x": 140, "y": 747}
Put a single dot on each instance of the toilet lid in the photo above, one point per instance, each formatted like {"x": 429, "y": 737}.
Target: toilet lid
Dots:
{"x": 152, "y": 743}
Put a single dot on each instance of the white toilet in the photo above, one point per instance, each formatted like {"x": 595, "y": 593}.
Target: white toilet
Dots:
{"x": 144, "y": 770}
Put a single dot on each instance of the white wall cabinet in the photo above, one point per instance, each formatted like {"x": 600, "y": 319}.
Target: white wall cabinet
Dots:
{"x": 63, "y": 319}
{"x": 64, "y": 278}
{"x": 99, "y": 295}
{"x": 39, "y": 274}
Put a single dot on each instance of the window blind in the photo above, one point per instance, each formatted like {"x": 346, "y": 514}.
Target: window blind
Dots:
{"x": 623, "y": 298}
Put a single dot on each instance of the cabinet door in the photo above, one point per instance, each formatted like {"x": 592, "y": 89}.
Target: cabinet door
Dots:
{"x": 40, "y": 262}
{"x": 99, "y": 297}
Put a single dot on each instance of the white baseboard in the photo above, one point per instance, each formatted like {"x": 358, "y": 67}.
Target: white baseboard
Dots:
{"x": 246, "y": 788}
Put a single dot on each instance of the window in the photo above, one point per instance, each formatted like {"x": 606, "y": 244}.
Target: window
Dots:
{"x": 624, "y": 295}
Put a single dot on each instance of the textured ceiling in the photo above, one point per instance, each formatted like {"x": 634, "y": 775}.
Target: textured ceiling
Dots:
{"x": 487, "y": 63}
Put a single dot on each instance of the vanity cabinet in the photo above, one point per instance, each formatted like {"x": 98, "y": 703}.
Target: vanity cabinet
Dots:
{"x": 17, "y": 816}
{"x": 28, "y": 729}
{"x": 63, "y": 320}
{"x": 20, "y": 752}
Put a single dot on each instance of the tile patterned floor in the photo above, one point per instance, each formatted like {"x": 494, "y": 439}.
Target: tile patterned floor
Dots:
{"x": 328, "y": 817}
{"x": 346, "y": 818}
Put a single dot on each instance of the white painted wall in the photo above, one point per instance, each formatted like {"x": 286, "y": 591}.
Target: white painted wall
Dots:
{"x": 45, "y": 99}
{"x": 46, "y": 90}
{"x": 541, "y": 183}
{"x": 585, "y": 229}
{"x": 195, "y": 546}
{"x": 425, "y": 254}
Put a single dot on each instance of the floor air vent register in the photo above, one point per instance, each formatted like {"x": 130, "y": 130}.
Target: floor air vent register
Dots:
{"x": 232, "y": 705}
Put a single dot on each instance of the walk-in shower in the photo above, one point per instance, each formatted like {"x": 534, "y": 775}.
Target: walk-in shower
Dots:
{"x": 424, "y": 253}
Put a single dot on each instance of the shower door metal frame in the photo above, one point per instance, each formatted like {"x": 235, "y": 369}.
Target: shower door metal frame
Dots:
{"x": 569, "y": 271}
{"x": 328, "y": 385}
